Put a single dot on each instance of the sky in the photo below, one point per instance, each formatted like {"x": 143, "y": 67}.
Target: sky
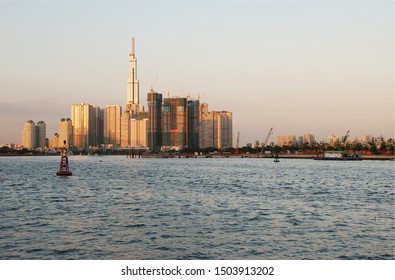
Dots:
{"x": 300, "y": 67}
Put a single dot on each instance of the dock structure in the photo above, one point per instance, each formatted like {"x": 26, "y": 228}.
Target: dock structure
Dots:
{"x": 135, "y": 151}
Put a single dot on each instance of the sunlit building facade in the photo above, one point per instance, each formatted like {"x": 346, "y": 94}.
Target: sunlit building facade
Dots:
{"x": 138, "y": 132}
{"x": 216, "y": 128}
{"x": 112, "y": 124}
{"x": 308, "y": 138}
{"x": 133, "y": 82}
{"x": 133, "y": 107}
{"x": 80, "y": 116}
{"x": 366, "y": 139}
{"x": 65, "y": 127}
{"x": 286, "y": 140}
{"x": 29, "y": 135}
{"x": 175, "y": 122}
{"x": 87, "y": 121}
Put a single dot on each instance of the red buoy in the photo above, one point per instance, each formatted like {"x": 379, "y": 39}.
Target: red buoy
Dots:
{"x": 64, "y": 169}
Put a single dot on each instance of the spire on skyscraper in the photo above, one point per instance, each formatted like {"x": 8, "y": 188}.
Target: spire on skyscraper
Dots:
{"x": 132, "y": 83}
{"x": 132, "y": 46}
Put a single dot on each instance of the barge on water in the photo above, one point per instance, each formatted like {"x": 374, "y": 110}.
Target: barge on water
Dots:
{"x": 338, "y": 155}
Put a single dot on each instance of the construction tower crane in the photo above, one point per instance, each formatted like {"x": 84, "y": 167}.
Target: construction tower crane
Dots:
{"x": 153, "y": 85}
{"x": 266, "y": 140}
{"x": 237, "y": 144}
{"x": 346, "y": 136}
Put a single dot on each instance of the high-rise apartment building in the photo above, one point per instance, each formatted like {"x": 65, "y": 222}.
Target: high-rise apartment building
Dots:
{"x": 286, "y": 140}
{"x": 80, "y": 116}
{"x": 87, "y": 121}
{"x": 175, "y": 122}
{"x": 208, "y": 127}
{"x": 138, "y": 132}
{"x": 193, "y": 123}
{"x": 34, "y": 135}
{"x": 154, "y": 120}
{"x": 308, "y": 138}
{"x": 41, "y": 138}
{"x": 125, "y": 129}
{"x": 54, "y": 142}
{"x": 65, "y": 127}
{"x": 112, "y": 124}
{"x": 226, "y": 129}
{"x": 96, "y": 127}
{"x": 29, "y": 135}
{"x": 216, "y": 128}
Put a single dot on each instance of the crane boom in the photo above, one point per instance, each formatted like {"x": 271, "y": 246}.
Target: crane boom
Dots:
{"x": 266, "y": 140}
{"x": 346, "y": 136}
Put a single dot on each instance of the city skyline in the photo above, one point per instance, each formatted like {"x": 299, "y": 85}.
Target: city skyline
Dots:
{"x": 319, "y": 68}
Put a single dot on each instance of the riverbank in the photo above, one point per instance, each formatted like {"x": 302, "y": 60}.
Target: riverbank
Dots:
{"x": 288, "y": 156}
{"x": 364, "y": 157}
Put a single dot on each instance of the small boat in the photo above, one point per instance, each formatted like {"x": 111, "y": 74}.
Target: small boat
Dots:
{"x": 276, "y": 158}
{"x": 64, "y": 169}
{"x": 338, "y": 155}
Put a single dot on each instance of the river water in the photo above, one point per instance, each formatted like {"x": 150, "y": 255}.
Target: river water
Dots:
{"x": 115, "y": 207}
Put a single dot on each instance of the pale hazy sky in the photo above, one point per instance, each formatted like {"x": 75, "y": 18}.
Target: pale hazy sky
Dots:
{"x": 300, "y": 67}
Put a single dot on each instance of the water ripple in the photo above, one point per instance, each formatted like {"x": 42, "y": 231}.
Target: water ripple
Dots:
{"x": 118, "y": 208}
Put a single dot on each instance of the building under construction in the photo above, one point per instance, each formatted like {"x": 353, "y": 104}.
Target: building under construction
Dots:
{"x": 175, "y": 122}
{"x": 178, "y": 123}
{"x": 154, "y": 128}
{"x": 193, "y": 124}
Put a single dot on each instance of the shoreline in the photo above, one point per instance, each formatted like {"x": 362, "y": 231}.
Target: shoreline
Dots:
{"x": 280, "y": 156}
{"x": 252, "y": 156}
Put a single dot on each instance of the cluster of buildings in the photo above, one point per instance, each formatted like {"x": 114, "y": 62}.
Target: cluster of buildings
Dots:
{"x": 34, "y": 135}
{"x": 284, "y": 140}
{"x": 170, "y": 123}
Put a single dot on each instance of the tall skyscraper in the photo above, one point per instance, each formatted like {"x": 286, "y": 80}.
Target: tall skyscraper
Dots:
{"x": 41, "y": 138}
{"x": 112, "y": 124}
{"x": 226, "y": 129}
{"x": 80, "y": 115}
{"x": 193, "y": 123}
{"x": 87, "y": 123}
{"x": 29, "y": 135}
{"x": 133, "y": 83}
{"x": 96, "y": 126}
{"x": 65, "y": 132}
{"x": 154, "y": 120}
{"x": 216, "y": 128}
{"x": 175, "y": 123}
{"x": 133, "y": 107}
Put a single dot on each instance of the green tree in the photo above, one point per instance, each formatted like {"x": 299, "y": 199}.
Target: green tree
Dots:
{"x": 373, "y": 147}
{"x": 4, "y": 150}
{"x": 23, "y": 151}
